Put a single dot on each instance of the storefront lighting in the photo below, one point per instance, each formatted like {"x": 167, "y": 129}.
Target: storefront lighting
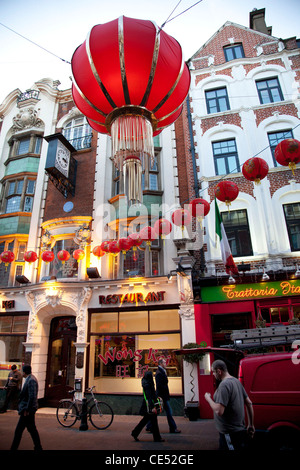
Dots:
{"x": 297, "y": 273}
{"x": 22, "y": 279}
{"x": 93, "y": 273}
{"x": 231, "y": 280}
{"x": 265, "y": 276}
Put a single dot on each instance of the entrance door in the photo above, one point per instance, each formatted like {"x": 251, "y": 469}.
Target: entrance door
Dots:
{"x": 61, "y": 359}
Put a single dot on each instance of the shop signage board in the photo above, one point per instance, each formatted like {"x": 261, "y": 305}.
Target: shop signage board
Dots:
{"x": 263, "y": 290}
{"x": 133, "y": 298}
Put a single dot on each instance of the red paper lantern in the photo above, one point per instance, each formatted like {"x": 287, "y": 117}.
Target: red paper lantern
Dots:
{"x": 130, "y": 81}
{"x": 7, "y": 257}
{"x": 78, "y": 254}
{"x": 181, "y": 217}
{"x": 105, "y": 246}
{"x": 113, "y": 247}
{"x": 255, "y": 169}
{"x": 226, "y": 191}
{"x": 47, "y": 256}
{"x": 148, "y": 234}
{"x": 30, "y": 256}
{"x": 163, "y": 227}
{"x": 287, "y": 153}
{"x": 199, "y": 207}
{"x": 63, "y": 256}
{"x": 125, "y": 244}
{"x": 97, "y": 251}
{"x": 135, "y": 240}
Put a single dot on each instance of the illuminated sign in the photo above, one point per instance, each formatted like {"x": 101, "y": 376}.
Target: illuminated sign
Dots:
{"x": 250, "y": 291}
{"x": 8, "y": 304}
{"x": 133, "y": 298}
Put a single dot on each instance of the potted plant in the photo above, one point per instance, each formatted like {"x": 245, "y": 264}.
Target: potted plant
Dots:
{"x": 192, "y": 407}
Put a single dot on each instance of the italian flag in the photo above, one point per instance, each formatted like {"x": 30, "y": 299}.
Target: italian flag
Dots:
{"x": 225, "y": 248}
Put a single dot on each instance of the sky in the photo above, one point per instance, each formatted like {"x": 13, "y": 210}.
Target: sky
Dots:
{"x": 60, "y": 26}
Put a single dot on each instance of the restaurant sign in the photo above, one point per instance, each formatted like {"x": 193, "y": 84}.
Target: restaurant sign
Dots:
{"x": 263, "y": 290}
{"x": 132, "y": 298}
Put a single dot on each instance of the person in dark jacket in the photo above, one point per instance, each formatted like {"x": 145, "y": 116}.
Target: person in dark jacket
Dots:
{"x": 148, "y": 410}
{"x": 12, "y": 387}
{"x": 28, "y": 404}
{"x": 162, "y": 390}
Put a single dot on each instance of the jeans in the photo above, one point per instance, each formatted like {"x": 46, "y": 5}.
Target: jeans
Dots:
{"x": 171, "y": 422}
{"x": 29, "y": 423}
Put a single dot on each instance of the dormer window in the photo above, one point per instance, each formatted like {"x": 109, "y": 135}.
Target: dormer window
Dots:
{"x": 234, "y": 51}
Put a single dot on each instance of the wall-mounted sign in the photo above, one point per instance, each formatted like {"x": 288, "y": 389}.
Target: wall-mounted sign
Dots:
{"x": 133, "y": 298}
{"x": 8, "y": 304}
{"x": 261, "y": 290}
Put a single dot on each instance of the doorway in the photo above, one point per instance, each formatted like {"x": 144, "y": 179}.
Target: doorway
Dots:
{"x": 61, "y": 359}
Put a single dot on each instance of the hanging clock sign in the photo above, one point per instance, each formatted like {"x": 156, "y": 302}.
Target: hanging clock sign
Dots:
{"x": 60, "y": 164}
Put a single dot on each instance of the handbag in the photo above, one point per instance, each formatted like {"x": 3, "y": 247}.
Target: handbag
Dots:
{"x": 158, "y": 405}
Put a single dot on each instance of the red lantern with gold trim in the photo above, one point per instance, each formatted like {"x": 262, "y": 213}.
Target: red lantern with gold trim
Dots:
{"x": 113, "y": 247}
{"x": 47, "y": 256}
{"x": 287, "y": 153}
{"x": 148, "y": 234}
{"x": 97, "y": 251}
{"x": 163, "y": 227}
{"x": 199, "y": 207}
{"x": 30, "y": 256}
{"x": 130, "y": 80}
{"x": 7, "y": 257}
{"x": 226, "y": 191}
{"x": 125, "y": 244}
{"x": 181, "y": 217}
{"x": 255, "y": 169}
{"x": 105, "y": 246}
{"x": 135, "y": 240}
{"x": 78, "y": 254}
{"x": 63, "y": 256}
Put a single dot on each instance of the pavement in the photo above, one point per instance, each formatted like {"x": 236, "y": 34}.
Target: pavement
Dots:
{"x": 195, "y": 435}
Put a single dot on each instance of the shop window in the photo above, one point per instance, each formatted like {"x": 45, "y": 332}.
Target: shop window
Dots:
{"x": 237, "y": 230}
{"x": 292, "y": 218}
{"x": 296, "y": 311}
{"x": 275, "y": 138}
{"x": 235, "y": 51}
{"x": 142, "y": 337}
{"x": 275, "y": 314}
{"x": 13, "y": 329}
{"x": 141, "y": 262}
{"x": 223, "y": 324}
{"x": 69, "y": 268}
{"x": 269, "y": 90}
{"x": 225, "y": 157}
{"x": 217, "y": 100}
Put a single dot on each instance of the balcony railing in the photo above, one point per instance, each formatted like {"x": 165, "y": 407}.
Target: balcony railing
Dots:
{"x": 27, "y": 95}
{"x": 81, "y": 143}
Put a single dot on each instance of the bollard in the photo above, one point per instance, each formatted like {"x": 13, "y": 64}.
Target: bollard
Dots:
{"x": 83, "y": 415}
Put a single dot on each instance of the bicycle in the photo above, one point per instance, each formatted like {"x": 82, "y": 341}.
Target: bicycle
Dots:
{"x": 69, "y": 411}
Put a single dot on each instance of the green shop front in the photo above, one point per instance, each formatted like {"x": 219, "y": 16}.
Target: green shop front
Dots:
{"x": 224, "y": 308}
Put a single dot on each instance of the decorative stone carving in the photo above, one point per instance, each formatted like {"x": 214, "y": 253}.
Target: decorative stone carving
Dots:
{"x": 26, "y": 118}
{"x": 83, "y": 299}
{"x": 53, "y": 297}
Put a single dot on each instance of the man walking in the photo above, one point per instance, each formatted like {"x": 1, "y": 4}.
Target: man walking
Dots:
{"x": 12, "y": 387}
{"x": 162, "y": 390}
{"x": 229, "y": 412}
{"x": 27, "y": 408}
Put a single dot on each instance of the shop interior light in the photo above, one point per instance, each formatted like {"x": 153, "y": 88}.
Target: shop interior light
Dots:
{"x": 22, "y": 279}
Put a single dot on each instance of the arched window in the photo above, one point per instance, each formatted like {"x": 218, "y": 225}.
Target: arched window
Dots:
{"x": 79, "y": 133}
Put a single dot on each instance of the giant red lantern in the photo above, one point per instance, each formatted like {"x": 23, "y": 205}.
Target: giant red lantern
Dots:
{"x": 130, "y": 81}
{"x": 255, "y": 169}
{"x": 135, "y": 240}
{"x": 105, "y": 246}
{"x": 125, "y": 244}
{"x": 30, "y": 256}
{"x": 7, "y": 257}
{"x": 226, "y": 191}
{"x": 163, "y": 227}
{"x": 287, "y": 153}
{"x": 113, "y": 247}
{"x": 47, "y": 256}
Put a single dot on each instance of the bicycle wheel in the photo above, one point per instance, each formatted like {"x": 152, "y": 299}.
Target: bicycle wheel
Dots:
{"x": 66, "y": 413}
{"x": 101, "y": 415}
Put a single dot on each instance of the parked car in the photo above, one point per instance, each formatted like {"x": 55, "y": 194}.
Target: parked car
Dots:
{"x": 272, "y": 382}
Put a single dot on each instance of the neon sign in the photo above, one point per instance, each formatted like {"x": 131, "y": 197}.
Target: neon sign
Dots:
{"x": 133, "y": 298}
{"x": 250, "y": 291}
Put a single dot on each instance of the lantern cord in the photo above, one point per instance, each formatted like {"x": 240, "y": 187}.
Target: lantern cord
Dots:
{"x": 32, "y": 42}
{"x": 179, "y": 14}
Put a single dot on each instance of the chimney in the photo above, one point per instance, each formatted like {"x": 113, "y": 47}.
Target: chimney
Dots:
{"x": 258, "y": 22}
